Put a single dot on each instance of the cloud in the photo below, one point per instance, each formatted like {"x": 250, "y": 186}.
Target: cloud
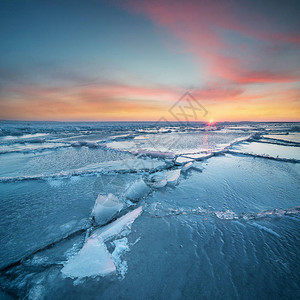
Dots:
{"x": 93, "y": 102}
{"x": 101, "y": 101}
{"x": 231, "y": 39}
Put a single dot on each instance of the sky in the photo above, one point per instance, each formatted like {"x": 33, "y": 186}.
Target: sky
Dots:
{"x": 94, "y": 60}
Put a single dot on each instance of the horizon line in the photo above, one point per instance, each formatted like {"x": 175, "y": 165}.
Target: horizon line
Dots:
{"x": 156, "y": 121}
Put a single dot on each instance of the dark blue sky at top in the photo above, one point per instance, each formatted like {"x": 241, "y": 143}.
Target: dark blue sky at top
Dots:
{"x": 82, "y": 41}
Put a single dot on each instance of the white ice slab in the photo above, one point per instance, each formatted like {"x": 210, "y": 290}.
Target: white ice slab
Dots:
{"x": 264, "y": 149}
{"x": 182, "y": 160}
{"x": 111, "y": 230}
{"x": 187, "y": 166}
{"x": 92, "y": 260}
{"x": 292, "y": 137}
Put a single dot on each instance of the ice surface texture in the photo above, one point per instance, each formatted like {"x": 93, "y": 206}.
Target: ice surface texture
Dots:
{"x": 218, "y": 201}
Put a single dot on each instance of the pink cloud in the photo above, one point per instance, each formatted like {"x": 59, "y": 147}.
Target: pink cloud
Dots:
{"x": 202, "y": 26}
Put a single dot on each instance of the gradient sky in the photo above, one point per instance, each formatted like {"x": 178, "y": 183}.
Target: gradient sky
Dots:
{"x": 98, "y": 60}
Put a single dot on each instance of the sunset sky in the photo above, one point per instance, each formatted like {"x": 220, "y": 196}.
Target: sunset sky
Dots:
{"x": 132, "y": 60}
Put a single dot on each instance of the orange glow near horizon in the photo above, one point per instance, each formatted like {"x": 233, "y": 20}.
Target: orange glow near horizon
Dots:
{"x": 130, "y": 103}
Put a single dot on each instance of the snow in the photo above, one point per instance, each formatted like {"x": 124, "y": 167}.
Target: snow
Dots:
{"x": 226, "y": 215}
{"x": 121, "y": 246}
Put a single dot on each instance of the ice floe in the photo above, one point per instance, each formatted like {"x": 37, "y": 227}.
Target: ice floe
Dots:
{"x": 89, "y": 144}
{"x": 117, "y": 227}
{"x": 291, "y": 137}
{"x": 161, "y": 179}
{"x": 123, "y": 166}
{"x": 94, "y": 259}
{"x": 267, "y": 150}
{"x": 187, "y": 166}
{"x": 172, "y": 177}
{"x": 157, "y": 180}
{"x": 200, "y": 156}
{"x": 105, "y": 208}
{"x": 137, "y": 190}
{"x": 155, "y": 154}
{"x": 181, "y": 160}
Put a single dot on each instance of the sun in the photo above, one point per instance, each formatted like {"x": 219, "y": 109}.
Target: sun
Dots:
{"x": 211, "y": 121}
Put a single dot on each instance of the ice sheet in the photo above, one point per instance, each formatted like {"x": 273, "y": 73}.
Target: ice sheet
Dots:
{"x": 30, "y": 147}
{"x": 122, "y": 166}
{"x": 240, "y": 184}
{"x": 240, "y": 216}
{"x": 178, "y": 143}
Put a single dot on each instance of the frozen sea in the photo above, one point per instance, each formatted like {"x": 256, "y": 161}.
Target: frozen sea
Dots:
{"x": 144, "y": 210}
